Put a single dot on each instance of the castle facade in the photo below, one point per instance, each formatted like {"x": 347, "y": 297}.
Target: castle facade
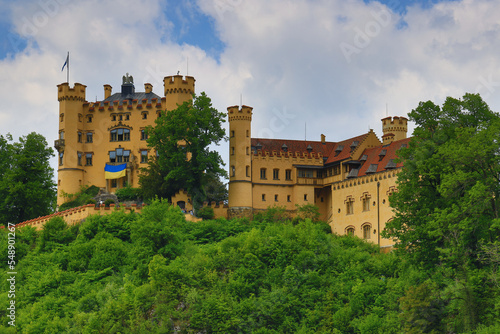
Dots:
{"x": 103, "y": 143}
{"x": 350, "y": 180}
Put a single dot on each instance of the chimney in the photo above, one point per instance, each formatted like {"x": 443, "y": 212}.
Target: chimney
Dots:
{"x": 107, "y": 91}
{"x": 323, "y": 139}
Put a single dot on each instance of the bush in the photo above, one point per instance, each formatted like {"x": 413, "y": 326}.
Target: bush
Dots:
{"x": 108, "y": 202}
{"x": 127, "y": 193}
{"x": 206, "y": 213}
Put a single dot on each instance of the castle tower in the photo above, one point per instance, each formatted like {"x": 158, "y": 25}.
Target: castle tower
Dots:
{"x": 240, "y": 162}
{"x": 394, "y": 128}
{"x": 69, "y": 146}
{"x": 177, "y": 90}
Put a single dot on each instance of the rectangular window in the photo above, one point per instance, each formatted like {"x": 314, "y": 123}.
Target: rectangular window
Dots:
{"x": 288, "y": 198}
{"x": 366, "y": 204}
{"x": 263, "y": 197}
{"x": 90, "y": 137}
{"x": 79, "y": 157}
{"x": 114, "y": 183}
{"x": 349, "y": 206}
{"x": 305, "y": 197}
{"x": 248, "y": 171}
{"x": 306, "y": 173}
{"x": 288, "y": 174}
{"x": 336, "y": 170}
{"x": 89, "y": 118}
{"x": 276, "y": 174}
{"x": 233, "y": 171}
{"x": 80, "y": 137}
{"x": 88, "y": 159}
{"x": 61, "y": 156}
{"x": 262, "y": 173}
{"x": 144, "y": 115}
{"x": 275, "y": 198}
{"x": 232, "y": 150}
{"x": 144, "y": 135}
{"x": 144, "y": 156}
{"x": 232, "y": 133}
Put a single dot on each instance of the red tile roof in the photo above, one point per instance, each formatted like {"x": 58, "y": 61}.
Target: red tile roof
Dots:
{"x": 374, "y": 157}
{"x": 327, "y": 149}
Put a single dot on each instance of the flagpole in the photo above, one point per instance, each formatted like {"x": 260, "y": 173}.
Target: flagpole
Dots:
{"x": 67, "y": 69}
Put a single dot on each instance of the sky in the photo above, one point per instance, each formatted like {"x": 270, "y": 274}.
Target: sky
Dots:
{"x": 307, "y": 67}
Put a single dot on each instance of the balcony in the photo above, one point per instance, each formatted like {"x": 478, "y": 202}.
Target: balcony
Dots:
{"x": 310, "y": 181}
{"x": 59, "y": 144}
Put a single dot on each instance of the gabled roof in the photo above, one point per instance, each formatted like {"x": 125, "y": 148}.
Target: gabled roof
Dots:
{"x": 345, "y": 145}
{"x": 375, "y": 164}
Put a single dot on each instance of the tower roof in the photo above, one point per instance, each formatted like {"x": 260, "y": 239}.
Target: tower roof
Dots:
{"x": 139, "y": 96}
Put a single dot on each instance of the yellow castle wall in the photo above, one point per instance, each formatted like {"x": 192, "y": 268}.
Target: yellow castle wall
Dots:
{"x": 78, "y": 115}
{"x": 379, "y": 210}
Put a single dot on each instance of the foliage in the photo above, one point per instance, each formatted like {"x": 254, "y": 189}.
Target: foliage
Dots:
{"x": 149, "y": 272}
{"x": 182, "y": 139}
{"x": 215, "y": 190}
{"x": 84, "y": 196}
{"x": 128, "y": 193}
{"x": 108, "y": 202}
{"x": 206, "y": 212}
{"x": 447, "y": 213}
{"x": 308, "y": 211}
{"x": 26, "y": 187}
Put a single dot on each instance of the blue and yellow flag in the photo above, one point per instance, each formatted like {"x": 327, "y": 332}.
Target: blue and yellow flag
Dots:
{"x": 115, "y": 171}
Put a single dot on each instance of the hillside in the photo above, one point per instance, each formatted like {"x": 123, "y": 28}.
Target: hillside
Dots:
{"x": 157, "y": 273}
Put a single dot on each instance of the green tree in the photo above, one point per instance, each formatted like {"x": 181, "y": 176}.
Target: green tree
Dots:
{"x": 182, "y": 139}
{"x": 27, "y": 189}
{"x": 448, "y": 192}
{"x": 448, "y": 198}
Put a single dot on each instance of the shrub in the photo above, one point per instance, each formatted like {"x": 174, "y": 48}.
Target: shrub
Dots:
{"x": 206, "y": 213}
{"x": 108, "y": 202}
{"x": 127, "y": 193}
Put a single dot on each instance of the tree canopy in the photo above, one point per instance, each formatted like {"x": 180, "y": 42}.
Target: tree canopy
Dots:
{"x": 447, "y": 205}
{"x": 449, "y": 190}
{"x": 182, "y": 140}
{"x": 27, "y": 189}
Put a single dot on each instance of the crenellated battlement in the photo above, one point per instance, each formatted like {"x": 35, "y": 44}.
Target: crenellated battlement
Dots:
{"x": 394, "y": 123}
{"x": 178, "y": 84}
{"x": 236, "y": 113}
{"x": 311, "y": 158}
{"x": 65, "y": 92}
{"x": 394, "y": 128}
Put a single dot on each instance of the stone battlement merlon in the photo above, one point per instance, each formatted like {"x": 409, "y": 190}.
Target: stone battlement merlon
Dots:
{"x": 65, "y": 92}
{"x": 178, "y": 83}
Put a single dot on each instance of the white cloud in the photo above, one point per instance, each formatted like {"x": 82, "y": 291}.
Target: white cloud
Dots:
{"x": 284, "y": 57}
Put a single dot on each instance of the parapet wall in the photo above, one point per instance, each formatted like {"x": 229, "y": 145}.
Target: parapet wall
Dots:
{"x": 77, "y": 215}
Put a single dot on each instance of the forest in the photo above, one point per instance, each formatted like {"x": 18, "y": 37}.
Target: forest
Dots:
{"x": 156, "y": 273}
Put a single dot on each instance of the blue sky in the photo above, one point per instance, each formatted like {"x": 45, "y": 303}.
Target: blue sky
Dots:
{"x": 334, "y": 66}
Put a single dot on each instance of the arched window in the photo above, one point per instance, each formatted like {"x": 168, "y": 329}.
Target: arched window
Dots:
{"x": 367, "y": 231}
{"x": 349, "y": 230}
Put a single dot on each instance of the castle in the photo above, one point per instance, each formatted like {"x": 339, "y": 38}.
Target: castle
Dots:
{"x": 350, "y": 181}
{"x": 104, "y": 144}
